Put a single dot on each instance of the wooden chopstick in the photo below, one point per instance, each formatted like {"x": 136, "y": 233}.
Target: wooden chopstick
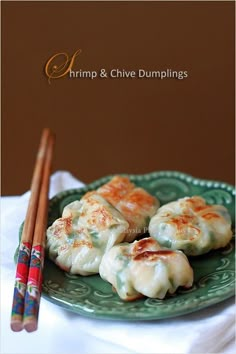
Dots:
{"x": 34, "y": 284}
{"x": 22, "y": 270}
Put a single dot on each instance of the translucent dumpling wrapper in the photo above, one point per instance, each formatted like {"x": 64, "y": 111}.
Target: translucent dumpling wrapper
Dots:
{"x": 189, "y": 224}
{"x": 135, "y": 204}
{"x": 88, "y": 228}
{"x": 144, "y": 268}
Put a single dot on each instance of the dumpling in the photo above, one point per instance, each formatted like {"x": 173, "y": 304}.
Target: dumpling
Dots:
{"x": 144, "y": 268}
{"x": 191, "y": 225}
{"x": 77, "y": 241}
{"x": 135, "y": 204}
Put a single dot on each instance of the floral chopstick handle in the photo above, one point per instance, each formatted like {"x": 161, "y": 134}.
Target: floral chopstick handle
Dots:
{"x": 20, "y": 285}
{"x": 33, "y": 290}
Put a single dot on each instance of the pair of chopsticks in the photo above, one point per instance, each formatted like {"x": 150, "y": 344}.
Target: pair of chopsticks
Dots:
{"x": 28, "y": 281}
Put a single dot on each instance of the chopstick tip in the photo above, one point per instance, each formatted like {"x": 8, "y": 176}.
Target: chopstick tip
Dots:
{"x": 31, "y": 325}
{"x": 16, "y": 325}
{"x": 47, "y": 131}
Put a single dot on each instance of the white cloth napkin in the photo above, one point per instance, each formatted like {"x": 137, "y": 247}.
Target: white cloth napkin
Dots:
{"x": 210, "y": 330}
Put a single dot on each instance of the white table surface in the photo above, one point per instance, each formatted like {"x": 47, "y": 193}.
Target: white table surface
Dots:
{"x": 207, "y": 331}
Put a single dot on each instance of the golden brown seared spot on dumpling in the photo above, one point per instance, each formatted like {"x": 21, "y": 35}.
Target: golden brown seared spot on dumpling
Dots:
{"x": 116, "y": 189}
{"x": 191, "y": 225}
{"x": 143, "y": 268}
{"x": 77, "y": 241}
{"x": 136, "y": 205}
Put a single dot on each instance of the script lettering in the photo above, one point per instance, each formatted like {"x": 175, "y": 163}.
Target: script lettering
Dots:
{"x": 55, "y": 71}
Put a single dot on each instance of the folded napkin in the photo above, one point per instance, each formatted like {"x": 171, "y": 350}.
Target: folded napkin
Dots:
{"x": 207, "y": 331}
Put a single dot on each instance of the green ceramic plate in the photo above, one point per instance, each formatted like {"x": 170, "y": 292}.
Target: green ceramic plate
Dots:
{"x": 91, "y": 296}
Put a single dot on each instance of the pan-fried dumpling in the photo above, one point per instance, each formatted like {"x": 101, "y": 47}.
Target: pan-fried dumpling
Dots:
{"x": 77, "y": 241}
{"x": 144, "y": 268}
{"x": 191, "y": 225}
{"x": 135, "y": 204}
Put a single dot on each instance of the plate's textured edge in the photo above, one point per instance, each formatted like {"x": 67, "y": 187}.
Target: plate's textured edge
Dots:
{"x": 202, "y": 303}
{"x": 150, "y": 310}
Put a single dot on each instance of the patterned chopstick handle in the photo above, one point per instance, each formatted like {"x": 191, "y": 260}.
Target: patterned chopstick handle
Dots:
{"x": 34, "y": 287}
{"x": 22, "y": 271}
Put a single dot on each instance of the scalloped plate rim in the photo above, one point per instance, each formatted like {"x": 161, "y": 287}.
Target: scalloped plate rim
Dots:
{"x": 187, "y": 309}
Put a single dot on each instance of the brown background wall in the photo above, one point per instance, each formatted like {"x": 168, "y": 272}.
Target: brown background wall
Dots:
{"x": 111, "y": 126}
